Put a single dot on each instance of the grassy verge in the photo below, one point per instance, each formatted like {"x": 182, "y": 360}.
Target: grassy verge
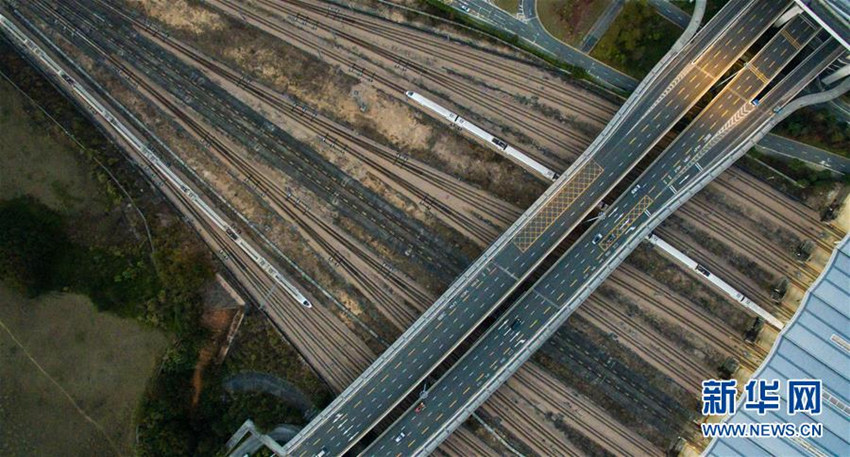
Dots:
{"x": 806, "y": 177}
{"x": 257, "y": 348}
{"x": 636, "y": 40}
{"x": 511, "y": 6}
{"x": 570, "y": 20}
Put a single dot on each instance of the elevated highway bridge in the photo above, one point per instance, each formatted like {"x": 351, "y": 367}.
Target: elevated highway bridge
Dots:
{"x": 722, "y": 132}
{"x": 670, "y": 91}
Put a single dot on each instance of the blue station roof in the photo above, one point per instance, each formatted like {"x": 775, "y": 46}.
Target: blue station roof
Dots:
{"x": 816, "y": 345}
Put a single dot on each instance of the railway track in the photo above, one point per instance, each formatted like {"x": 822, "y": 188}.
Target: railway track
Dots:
{"x": 254, "y": 279}
{"x": 461, "y": 89}
{"x": 272, "y": 306}
{"x": 614, "y": 380}
{"x": 558, "y": 397}
{"x": 495, "y": 104}
{"x": 463, "y": 443}
{"x": 685, "y": 243}
{"x": 464, "y": 56}
{"x": 652, "y": 348}
{"x": 809, "y": 224}
{"x": 374, "y": 155}
{"x": 739, "y": 235}
{"x": 400, "y": 313}
{"x": 534, "y": 433}
{"x": 470, "y": 56}
{"x": 398, "y": 221}
{"x": 710, "y": 329}
{"x": 339, "y": 133}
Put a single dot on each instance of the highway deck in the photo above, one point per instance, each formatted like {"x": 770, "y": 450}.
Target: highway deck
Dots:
{"x": 504, "y": 266}
{"x": 721, "y": 128}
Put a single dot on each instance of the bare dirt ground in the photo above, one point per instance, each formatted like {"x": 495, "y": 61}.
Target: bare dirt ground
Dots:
{"x": 216, "y": 321}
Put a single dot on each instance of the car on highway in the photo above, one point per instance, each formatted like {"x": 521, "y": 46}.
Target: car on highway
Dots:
{"x": 464, "y": 8}
{"x": 420, "y": 407}
{"x": 400, "y": 435}
{"x": 635, "y": 189}
{"x": 516, "y": 324}
{"x": 597, "y": 238}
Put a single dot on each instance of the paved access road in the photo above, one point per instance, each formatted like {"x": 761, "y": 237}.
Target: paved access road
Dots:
{"x": 786, "y": 147}
{"x": 504, "y": 265}
{"x": 531, "y": 30}
{"x": 716, "y": 132}
{"x": 671, "y": 12}
{"x": 601, "y": 25}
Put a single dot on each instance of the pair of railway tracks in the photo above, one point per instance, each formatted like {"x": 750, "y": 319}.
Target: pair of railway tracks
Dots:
{"x": 459, "y": 88}
{"x": 210, "y": 139}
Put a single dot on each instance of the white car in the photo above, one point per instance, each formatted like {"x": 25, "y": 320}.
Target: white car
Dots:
{"x": 464, "y": 8}
{"x": 400, "y": 436}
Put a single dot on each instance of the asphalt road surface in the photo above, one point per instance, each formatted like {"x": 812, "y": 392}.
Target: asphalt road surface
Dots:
{"x": 730, "y": 116}
{"x": 532, "y": 27}
{"x": 601, "y": 25}
{"x": 532, "y": 31}
{"x": 514, "y": 256}
{"x": 785, "y": 147}
{"x": 671, "y": 12}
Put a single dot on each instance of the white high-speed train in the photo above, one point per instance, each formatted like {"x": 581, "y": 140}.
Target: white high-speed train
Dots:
{"x": 484, "y": 135}
{"x": 155, "y": 162}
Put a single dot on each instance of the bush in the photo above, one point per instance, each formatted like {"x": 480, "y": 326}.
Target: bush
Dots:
{"x": 32, "y": 236}
{"x": 637, "y": 39}
{"x": 819, "y": 127}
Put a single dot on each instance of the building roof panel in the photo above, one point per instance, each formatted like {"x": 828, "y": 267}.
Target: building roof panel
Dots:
{"x": 815, "y": 344}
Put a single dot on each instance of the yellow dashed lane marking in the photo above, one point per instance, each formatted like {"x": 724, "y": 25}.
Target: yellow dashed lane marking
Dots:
{"x": 628, "y": 219}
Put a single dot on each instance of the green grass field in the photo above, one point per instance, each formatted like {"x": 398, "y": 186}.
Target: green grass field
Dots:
{"x": 569, "y": 20}
{"x": 636, "y": 40}
{"x": 511, "y": 6}
{"x": 95, "y": 365}
{"x": 101, "y": 361}
{"x": 35, "y": 163}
